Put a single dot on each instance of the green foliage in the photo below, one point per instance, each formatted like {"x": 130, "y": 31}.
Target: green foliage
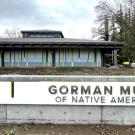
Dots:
{"x": 117, "y": 23}
{"x": 11, "y": 132}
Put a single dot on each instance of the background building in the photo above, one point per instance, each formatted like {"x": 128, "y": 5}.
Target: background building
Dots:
{"x": 47, "y": 48}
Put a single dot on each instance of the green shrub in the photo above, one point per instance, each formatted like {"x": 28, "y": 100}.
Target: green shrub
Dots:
{"x": 11, "y": 132}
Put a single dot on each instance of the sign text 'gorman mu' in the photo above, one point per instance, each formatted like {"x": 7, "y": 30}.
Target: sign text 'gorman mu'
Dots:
{"x": 68, "y": 93}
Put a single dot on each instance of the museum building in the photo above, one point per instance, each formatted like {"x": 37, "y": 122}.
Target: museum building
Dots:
{"x": 49, "y": 48}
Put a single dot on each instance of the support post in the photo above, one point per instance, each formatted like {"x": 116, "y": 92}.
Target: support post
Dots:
{"x": 53, "y": 58}
{"x": 112, "y": 57}
{"x": 115, "y": 58}
{"x": 2, "y": 58}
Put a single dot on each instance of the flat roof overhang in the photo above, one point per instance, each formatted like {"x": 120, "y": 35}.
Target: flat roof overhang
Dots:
{"x": 57, "y": 45}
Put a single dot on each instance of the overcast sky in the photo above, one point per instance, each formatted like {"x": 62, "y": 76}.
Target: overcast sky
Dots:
{"x": 75, "y": 18}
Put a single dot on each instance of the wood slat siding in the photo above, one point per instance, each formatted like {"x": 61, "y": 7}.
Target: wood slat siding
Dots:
{"x": 43, "y": 57}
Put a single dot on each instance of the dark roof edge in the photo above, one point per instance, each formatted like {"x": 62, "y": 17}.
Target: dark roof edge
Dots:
{"x": 46, "y": 30}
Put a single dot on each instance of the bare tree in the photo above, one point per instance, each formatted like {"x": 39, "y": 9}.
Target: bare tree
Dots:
{"x": 13, "y": 33}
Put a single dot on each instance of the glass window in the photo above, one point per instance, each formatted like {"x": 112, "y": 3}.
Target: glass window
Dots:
{"x": 44, "y": 35}
{"x": 31, "y": 36}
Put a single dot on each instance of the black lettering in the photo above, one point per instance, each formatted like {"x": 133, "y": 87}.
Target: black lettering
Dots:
{"x": 74, "y": 90}
{"x": 120, "y": 99}
{"x": 133, "y": 99}
{"x": 87, "y": 98}
{"x": 113, "y": 100}
{"x": 103, "y": 99}
{"x": 74, "y": 99}
{"x": 107, "y": 90}
{"x": 52, "y": 89}
{"x": 63, "y": 89}
{"x": 127, "y": 99}
{"x": 58, "y": 99}
{"x": 96, "y": 99}
{"x": 134, "y": 89}
{"x": 85, "y": 91}
{"x": 97, "y": 91}
{"x": 81, "y": 100}
{"x": 124, "y": 91}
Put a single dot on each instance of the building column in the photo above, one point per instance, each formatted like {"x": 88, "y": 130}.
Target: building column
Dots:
{"x": 102, "y": 59}
{"x": 53, "y": 58}
{"x": 115, "y": 58}
{"x": 2, "y": 58}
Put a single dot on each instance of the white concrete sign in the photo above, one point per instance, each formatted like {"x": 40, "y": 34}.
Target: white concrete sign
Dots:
{"x": 68, "y": 93}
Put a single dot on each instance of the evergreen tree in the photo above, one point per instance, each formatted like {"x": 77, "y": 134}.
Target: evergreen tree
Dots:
{"x": 119, "y": 24}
